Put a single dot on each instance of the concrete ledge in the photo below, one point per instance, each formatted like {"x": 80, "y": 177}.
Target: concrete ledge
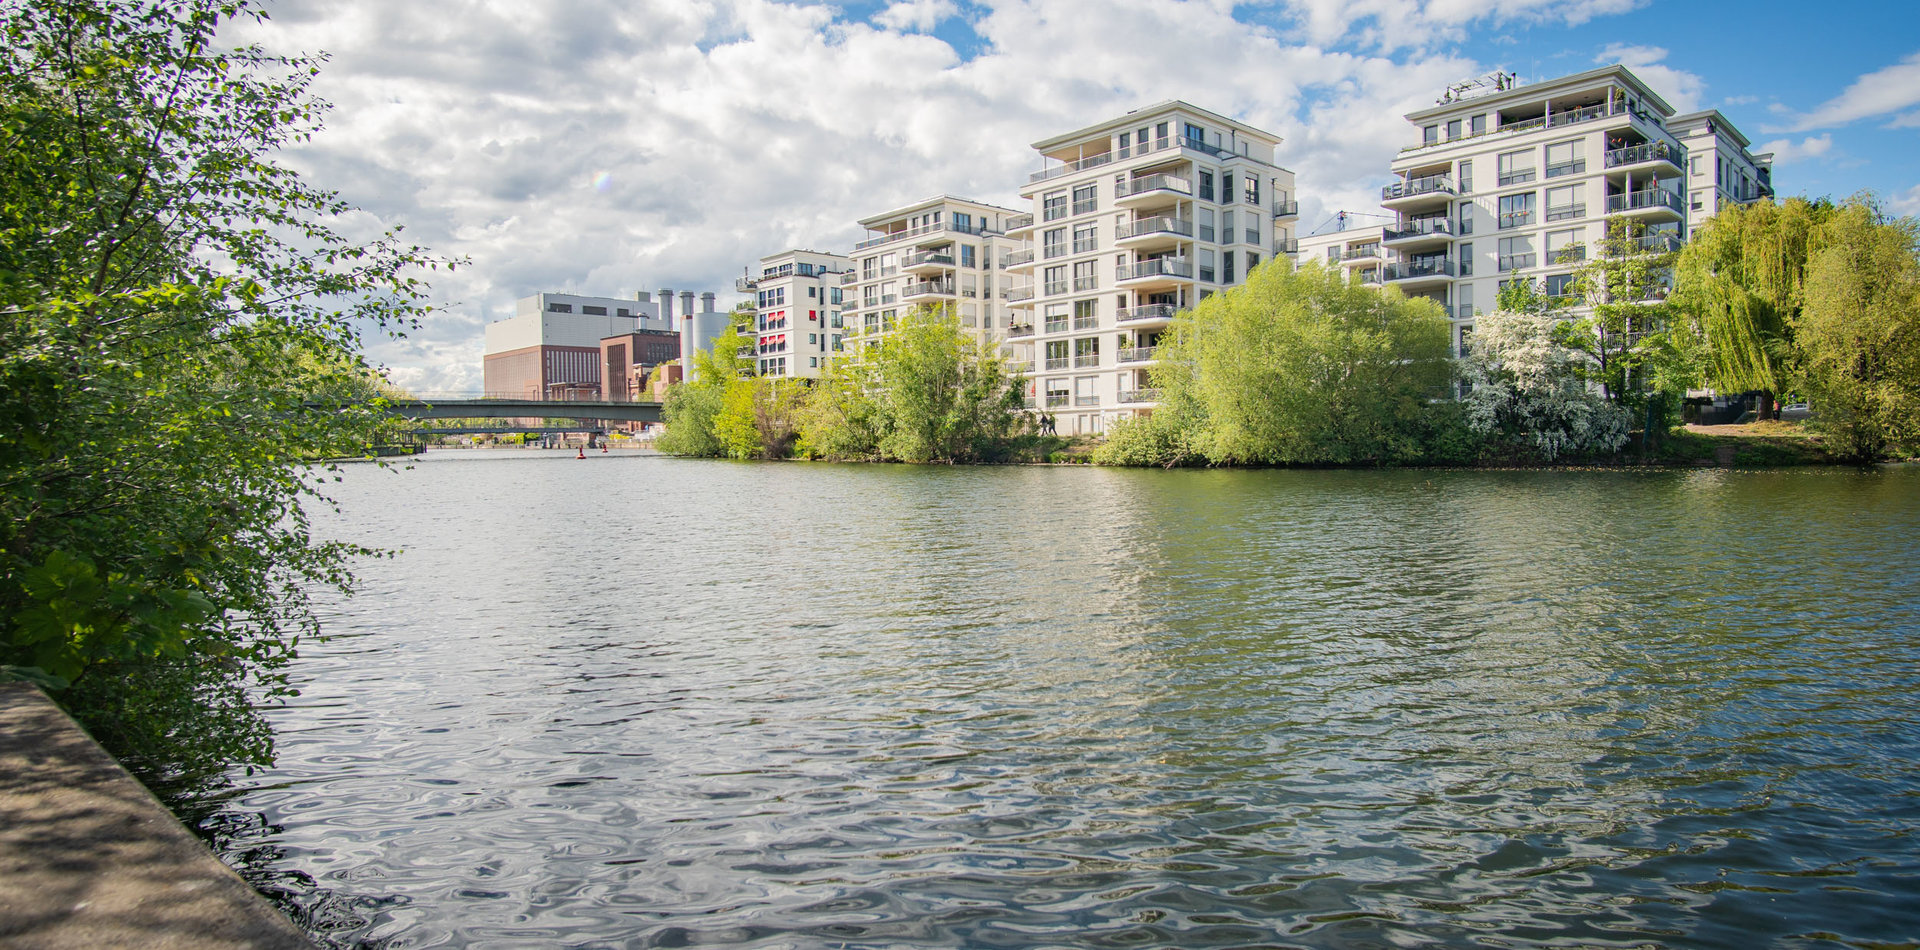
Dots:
{"x": 90, "y": 859}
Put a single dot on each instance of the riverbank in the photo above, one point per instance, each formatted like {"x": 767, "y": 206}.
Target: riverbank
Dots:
{"x": 90, "y": 859}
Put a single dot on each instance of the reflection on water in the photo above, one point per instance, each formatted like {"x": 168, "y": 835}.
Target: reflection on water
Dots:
{"x": 637, "y": 701}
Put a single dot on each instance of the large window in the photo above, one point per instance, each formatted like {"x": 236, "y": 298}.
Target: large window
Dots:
{"x": 1516, "y": 211}
{"x": 1206, "y": 186}
{"x": 1516, "y": 253}
{"x": 1053, "y": 243}
{"x": 1084, "y": 238}
{"x": 1566, "y": 202}
{"x": 1053, "y": 206}
{"x": 1566, "y": 246}
{"x": 1055, "y": 279}
{"x": 1086, "y": 198}
{"x": 1563, "y": 158}
{"x": 1516, "y": 167}
{"x": 1083, "y": 276}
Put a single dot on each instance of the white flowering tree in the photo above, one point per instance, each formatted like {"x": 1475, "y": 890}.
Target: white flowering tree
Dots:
{"x": 1530, "y": 388}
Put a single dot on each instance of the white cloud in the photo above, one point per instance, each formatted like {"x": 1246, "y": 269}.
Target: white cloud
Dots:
{"x": 1879, "y": 92}
{"x": 1682, "y": 90}
{"x": 1403, "y": 24}
{"x": 916, "y": 15}
{"x": 1906, "y": 203}
{"x": 1787, "y": 150}
{"x": 1910, "y": 120}
{"x": 614, "y": 146}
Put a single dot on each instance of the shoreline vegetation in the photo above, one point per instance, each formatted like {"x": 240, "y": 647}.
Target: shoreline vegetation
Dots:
{"x": 1307, "y": 367}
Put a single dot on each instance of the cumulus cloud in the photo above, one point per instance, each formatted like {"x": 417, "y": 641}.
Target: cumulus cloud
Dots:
{"x": 615, "y": 146}
{"x": 1787, "y": 150}
{"x": 1682, "y": 90}
{"x": 1401, "y": 24}
{"x": 1890, "y": 89}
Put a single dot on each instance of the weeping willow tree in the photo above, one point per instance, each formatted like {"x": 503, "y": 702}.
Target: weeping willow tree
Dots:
{"x": 1742, "y": 282}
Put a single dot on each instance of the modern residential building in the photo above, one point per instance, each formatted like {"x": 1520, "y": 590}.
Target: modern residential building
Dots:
{"x": 551, "y": 348}
{"x": 797, "y": 320}
{"x": 943, "y": 251}
{"x": 1509, "y": 181}
{"x": 1720, "y": 169}
{"x": 1134, "y": 219}
{"x": 1350, "y": 241}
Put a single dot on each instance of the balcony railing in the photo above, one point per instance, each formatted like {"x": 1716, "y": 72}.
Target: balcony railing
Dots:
{"x": 1661, "y": 243}
{"x": 1017, "y": 294}
{"x": 1130, "y": 396}
{"x": 1137, "y": 354}
{"x": 1515, "y": 219}
{"x": 1084, "y": 245}
{"x": 1418, "y": 227}
{"x": 1019, "y": 222}
{"x": 1086, "y": 283}
{"x": 887, "y": 299}
{"x": 1286, "y": 246}
{"x": 1574, "y": 167}
{"x": 891, "y": 236}
{"x": 1286, "y": 209}
{"x": 1360, "y": 253}
{"x": 1057, "y": 325}
{"x": 929, "y": 287}
{"x": 1151, "y": 311}
{"x": 1084, "y": 360}
{"x": 1086, "y": 207}
{"x": 1163, "y": 267}
{"x": 1645, "y": 198}
{"x": 848, "y": 278}
{"x": 1056, "y": 287}
{"x": 1051, "y": 251}
{"x": 1056, "y": 400}
{"x": 1426, "y": 267}
{"x": 1016, "y": 258}
{"x": 1019, "y": 367}
{"x": 1161, "y": 224}
{"x": 744, "y": 285}
{"x": 1648, "y": 152}
{"x": 942, "y": 258}
{"x": 1415, "y": 187}
{"x": 1086, "y": 400}
{"x": 1091, "y": 161}
{"x": 1020, "y": 329}
{"x": 1058, "y": 362}
{"x": 1086, "y": 323}
{"x": 1140, "y": 186}
{"x": 1515, "y": 261}
{"x": 1566, "y": 212}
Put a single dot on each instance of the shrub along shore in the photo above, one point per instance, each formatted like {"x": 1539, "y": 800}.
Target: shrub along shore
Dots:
{"x": 1303, "y": 367}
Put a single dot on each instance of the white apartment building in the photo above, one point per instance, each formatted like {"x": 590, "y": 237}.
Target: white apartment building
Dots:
{"x": 1510, "y": 181}
{"x": 797, "y": 320}
{"x": 1349, "y": 243}
{"x": 1720, "y": 169}
{"x": 1133, "y": 220}
{"x": 943, "y": 251}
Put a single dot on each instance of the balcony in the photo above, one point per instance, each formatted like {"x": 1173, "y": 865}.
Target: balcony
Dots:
{"x": 1019, "y": 222}
{"x": 1463, "y": 312}
{"x": 1650, "y": 202}
{"x": 1416, "y": 191}
{"x": 927, "y": 261}
{"x": 1091, "y": 161}
{"x": 1130, "y": 397}
{"x": 1661, "y": 243}
{"x": 1648, "y": 153}
{"x": 1419, "y": 271}
{"x": 1418, "y": 231}
{"x": 1020, "y": 330}
{"x": 1019, "y": 367}
{"x": 929, "y": 288}
{"x": 1286, "y": 209}
{"x": 744, "y": 285}
{"x": 1160, "y": 270}
{"x": 1013, "y": 259}
{"x": 1084, "y": 360}
{"x": 1365, "y": 252}
{"x": 1139, "y": 191}
{"x": 886, "y": 299}
{"x": 1017, "y": 294}
{"x": 932, "y": 231}
{"x": 1286, "y": 246}
{"x": 1151, "y": 311}
{"x": 1137, "y": 354}
{"x": 848, "y": 277}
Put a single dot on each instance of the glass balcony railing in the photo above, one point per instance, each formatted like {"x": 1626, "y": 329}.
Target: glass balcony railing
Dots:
{"x": 1151, "y": 311}
{"x": 1415, "y": 187}
{"x": 1645, "y": 199}
{"x": 1163, "y": 267}
{"x": 1648, "y": 152}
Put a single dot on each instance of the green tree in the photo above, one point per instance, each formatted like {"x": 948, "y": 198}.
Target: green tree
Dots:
{"x": 1741, "y": 281}
{"x": 1637, "y": 355}
{"x": 1530, "y": 389}
{"x": 1858, "y": 333}
{"x": 1297, "y": 366}
{"x": 172, "y": 301}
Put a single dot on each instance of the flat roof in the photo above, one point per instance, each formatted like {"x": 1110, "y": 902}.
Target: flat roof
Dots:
{"x": 925, "y": 204}
{"x": 1166, "y": 105}
{"x": 1543, "y": 89}
{"x": 1720, "y": 124}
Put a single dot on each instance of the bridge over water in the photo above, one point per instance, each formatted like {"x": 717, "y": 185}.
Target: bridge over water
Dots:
{"x": 470, "y": 406}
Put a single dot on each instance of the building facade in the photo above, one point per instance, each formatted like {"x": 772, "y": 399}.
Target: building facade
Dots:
{"x": 1518, "y": 182}
{"x": 1131, "y": 221}
{"x": 1720, "y": 169}
{"x": 944, "y": 251}
{"x": 797, "y": 306}
{"x": 551, "y": 348}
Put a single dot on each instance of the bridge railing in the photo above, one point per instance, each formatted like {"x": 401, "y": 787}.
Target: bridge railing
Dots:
{"x": 441, "y": 396}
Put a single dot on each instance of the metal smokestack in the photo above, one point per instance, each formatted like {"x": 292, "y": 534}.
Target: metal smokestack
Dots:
{"x": 686, "y": 304}
{"x": 666, "y": 306}
{"x": 706, "y": 301}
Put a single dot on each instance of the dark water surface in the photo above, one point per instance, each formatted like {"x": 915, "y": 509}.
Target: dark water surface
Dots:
{"x": 636, "y": 701}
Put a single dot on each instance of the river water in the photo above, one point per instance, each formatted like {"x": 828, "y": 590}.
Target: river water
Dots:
{"x": 637, "y": 701}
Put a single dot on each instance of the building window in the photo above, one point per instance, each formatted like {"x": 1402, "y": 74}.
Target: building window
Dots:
{"x": 1466, "y": 217}
{"x": 1559, "y": 285}
{"x": 593, "y": 311}
{"x": 1084, "y": 238}
{"x": 1563, "y": 158}
{"x": 1253, "y": 190}
{"x": 1516, "y": 253}
{"x": 1453, "y": 129}
{"x": 1206, "y": 261}
{"x": 1053, "y": 243}
{"x": 1430, "y": 135}
{"x": 1226, "y": 188}
{"x": 966, "y": 255}
{"x": 1053, "y": 206}
{"x": 1565, "y": 247}
{"x": 1083, "y": 276}
{"x": 1566, "y": 202}
{"x": 1086, "y": 199}
{"x": 1516, "y": 210}
{"x": 1466, "y": 177}
{"x": 559, "y": 308}
{"x": 1226, "y": 274}
{"x": 1516, "y": 167}
{"x": 1466, "y": 259}
{"x": 1206, "y": 186}
{"x": 1055, "y": 279}
{"x": 1478, "y": 124}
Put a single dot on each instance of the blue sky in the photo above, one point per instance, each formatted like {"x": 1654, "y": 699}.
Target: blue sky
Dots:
{"x": 612, "y": 146}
